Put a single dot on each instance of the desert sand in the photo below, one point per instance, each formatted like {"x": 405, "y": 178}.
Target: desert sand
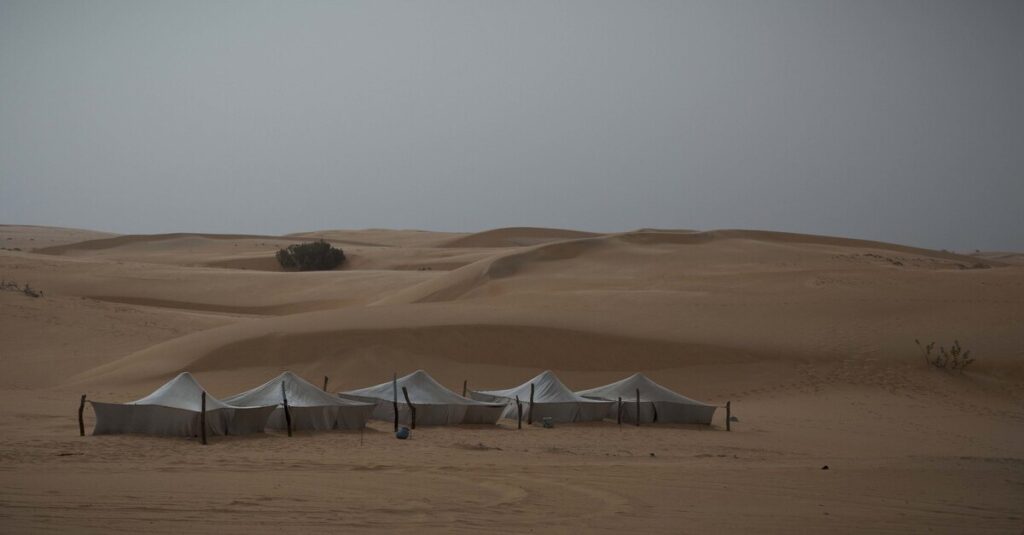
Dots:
{"x": 811, "y": 338}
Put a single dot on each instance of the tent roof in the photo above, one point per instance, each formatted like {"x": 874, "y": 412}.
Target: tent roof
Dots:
{"x": 182, "y": 392}
{"x": 547, "y": 388}
{"x": 423, "y": 390}
{"x": 301, "y": 393}
{"x": 649, "y": 391}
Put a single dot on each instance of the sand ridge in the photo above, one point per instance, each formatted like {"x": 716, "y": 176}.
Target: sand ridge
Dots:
{"x": 517, "y": 237}
{"x": 31, "y": 237}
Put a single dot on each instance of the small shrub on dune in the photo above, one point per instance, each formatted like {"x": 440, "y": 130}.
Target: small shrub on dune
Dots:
{"x": 955, "y": 358}
{"x": 312, "y": 256}
{"x": 27, "y": 290}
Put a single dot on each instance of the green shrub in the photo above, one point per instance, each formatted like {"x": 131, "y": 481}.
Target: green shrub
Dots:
{"x": 312, "y": 256}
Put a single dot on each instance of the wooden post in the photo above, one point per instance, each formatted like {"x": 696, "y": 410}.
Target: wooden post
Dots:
{"x": 412, "y": 408}
{"x": 638, "y": 407}
{"x": 202, "y": 419}
{"x": 81, "y": 421}
{"x": 728, "y": 416}
{"x": 519, "y": 413}
{"x": 529, "y": 416}
{"x": 464, "y": 381}
{"x": 618, "y": 414}
{"x": 287, "y": 413}
{"x": 325, "y": 383}
{"x": 394, "y": 402}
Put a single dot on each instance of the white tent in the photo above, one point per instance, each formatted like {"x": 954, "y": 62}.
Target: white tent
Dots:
{"x": 657, "y": 403}
{"x": 174, "y": 409}
{"x": 434, "y": 404}
{"x": 310, "y": 407}
{"x": 551, "y": 398}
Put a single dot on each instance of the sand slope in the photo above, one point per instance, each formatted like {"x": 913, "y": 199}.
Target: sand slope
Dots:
{"x": 517, "y": 237}
{"x": 30, "y": 237}
{"x": 383, "y": 237}
{"x": 810, "y": 337}
{"x": 393, "y": 250}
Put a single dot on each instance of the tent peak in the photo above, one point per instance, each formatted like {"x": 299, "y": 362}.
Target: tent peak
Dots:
{"x": 185, "y": 377}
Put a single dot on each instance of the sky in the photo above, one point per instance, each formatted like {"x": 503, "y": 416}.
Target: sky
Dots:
{"x": 900, "y": 121}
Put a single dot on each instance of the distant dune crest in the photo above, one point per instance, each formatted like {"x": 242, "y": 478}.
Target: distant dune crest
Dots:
{"x": 517, "y": 237}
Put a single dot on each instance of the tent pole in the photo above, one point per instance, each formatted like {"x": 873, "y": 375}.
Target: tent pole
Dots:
{"x": 412, "y": 408}
{"x": 287, "y": 413}
{"x": 202, "y": 418}
{"x": 394, "y": 402}
{"x": 519, "y": 413}
{"x": 81, "y": 421}
{"x": 728, "y": 416}
{"x": 618, "y": 413}
{"x": 325, "y": 383}
{"x": 638, "y": 407}
{"x": 464, "y": 381}
{"x": 529, "y": 416}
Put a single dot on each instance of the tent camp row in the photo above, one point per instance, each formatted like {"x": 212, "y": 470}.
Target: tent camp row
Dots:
{"x": 181, "y": 406}
{"x": 635, "y": 398}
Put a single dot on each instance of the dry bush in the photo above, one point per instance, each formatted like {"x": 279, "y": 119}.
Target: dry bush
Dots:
{"x": 955, "y": 358}
{"x": 12, "y": 286}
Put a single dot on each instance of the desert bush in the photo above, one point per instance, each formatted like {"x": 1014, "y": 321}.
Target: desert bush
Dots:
{"x": 311, "y": 256}
{"x": 14, "y": 287}
{"x": 955, "y": 358}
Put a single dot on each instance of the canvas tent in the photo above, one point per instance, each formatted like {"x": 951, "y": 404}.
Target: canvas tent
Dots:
{"x": 310, "y": 408}
{"x": 174, "y": 409}
{"x": 551, "y": 398}
{"x": 435, "y": 404}
{"x": 657, "y": 403}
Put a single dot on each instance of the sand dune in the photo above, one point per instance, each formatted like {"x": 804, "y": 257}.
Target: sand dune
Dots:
{"x": 399, "y": 251}
{"x": 810, "y": 337}
{"x": 363, "y": 345}
{"x": 146, "y": 242}
{"x": 200, "y": 288}
{"x": 383, "y": 237}
{"x": 30, "y": 237}
{"x": 1000, "y": 256}
{"x": 517, "y": 237}
{"x": 214, "y": 250}
{"x": 570, "y": 299}
{"x": 651, "y": 259}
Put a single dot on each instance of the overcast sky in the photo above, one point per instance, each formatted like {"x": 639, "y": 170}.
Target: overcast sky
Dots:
{"x": 894, "y": 120}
